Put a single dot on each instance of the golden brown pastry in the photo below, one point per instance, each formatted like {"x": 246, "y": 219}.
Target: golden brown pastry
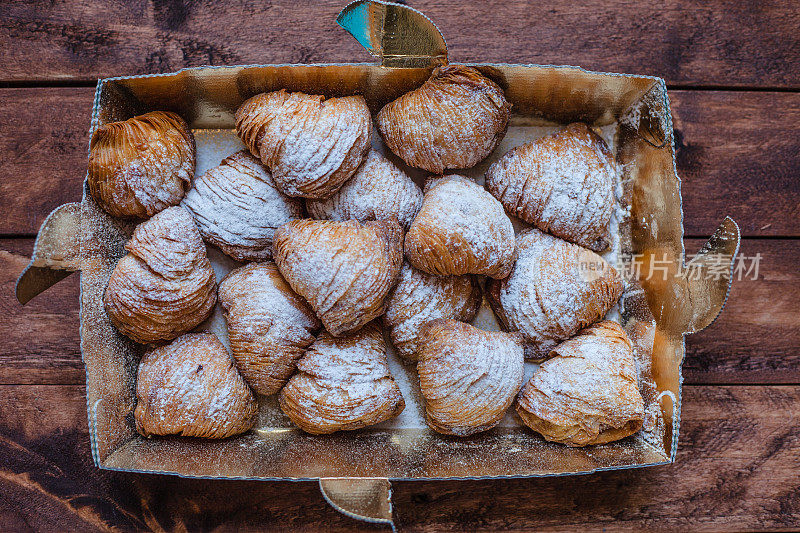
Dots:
{"x": 342, "y": 384}
{"x": 191, "y": 387}
{"x": 562, "y": 184}
{"x": 311, "y": 144}
{"x": 142, "y": 165}
{"x": 237, "y": 207}
{"x": 460, "y": 229}
{"x": 419, "y": 298}
{"x": 164, "y": 286}
{"x": 269, "y": 326}
{"x": 467, "y": 376}
{"x": 586, "y": 394}
{"x": 555, "y": 289}
{"x": 378, "y": 190}
{"x": 454, "y": 120}
{"x": 343, "y": 269}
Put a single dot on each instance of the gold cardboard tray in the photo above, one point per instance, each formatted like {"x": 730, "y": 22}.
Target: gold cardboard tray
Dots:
{"x": 354, "y": 467}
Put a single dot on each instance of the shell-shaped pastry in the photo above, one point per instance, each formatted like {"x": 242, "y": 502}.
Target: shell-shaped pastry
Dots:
{"x": 142, "y": 165}
{"x": 269, "y": 325}
{"x": 311, "y": 144}
{"x": 378, "y": 190}
{"x": 164, "y": 286}
{"x": 191, "y": 387}
{"x": 237, "y": 207}
{"x": 454, "y": 120}
{"x": 587, "y": 393}
{"x": 460, "y": 229}
{"x": 419, "y": 298}
{"x": 468, "y": 377}
{"x": 562, "y": 184}
{"x": 342, "y": 383}
{"x": 344, "y": 270}
{"x": 555, "y": 289}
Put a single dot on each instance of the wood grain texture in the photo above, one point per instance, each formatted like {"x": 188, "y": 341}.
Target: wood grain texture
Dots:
{"x": 756, "y": 338}
{"x": 736, "y": 470}
{"x": 751, "y": 341}
{"x": 41, "y": 341}
{"x": 48, "y": 481}
{"x": 44, "y": 142}
{"x": 738, "y": 154}
{"x": 715, "y": 42}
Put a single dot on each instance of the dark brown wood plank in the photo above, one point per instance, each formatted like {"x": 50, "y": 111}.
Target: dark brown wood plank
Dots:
{"x": 41, "y": 341}
{"x": 736, "y": 470}
{"x": 44, "y": 143}
{"x": 756, "y": 339}
{"x": 738, "y": 154}
{"x": 707, "y": 43}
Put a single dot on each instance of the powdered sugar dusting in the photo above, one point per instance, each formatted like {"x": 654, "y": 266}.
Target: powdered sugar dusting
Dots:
{"x": 461, "y": 229}
{"x": 237, "y": 207}
{"x": 215, "y": 145}
{"x": 378, "y": 190}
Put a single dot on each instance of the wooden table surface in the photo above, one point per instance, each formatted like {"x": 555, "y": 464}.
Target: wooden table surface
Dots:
{"x": 733, "y": 69}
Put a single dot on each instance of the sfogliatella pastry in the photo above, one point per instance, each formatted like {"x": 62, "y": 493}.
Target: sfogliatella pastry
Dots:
{"x": 311, "y": 144}
{"x": 555, "y": 289}
{"x": 587, "y": 393}
{"x": 237, "y": 207}
{"x": 419, "y": 298}
{"x": 468, "y": 377}
{"x": 454, "y": 120}
{"x": 142, "y": 165}
{"x": 164, "y": 286}
{"x": 269, "y": 325}
{"x": 378, "y": 190}
{"x": 562, "y": 184}
{"x": 191, "y": 387}
{"x": 342, "y": 384}
{"x": 343, "y": 269}
{"x": 460, "y": 229}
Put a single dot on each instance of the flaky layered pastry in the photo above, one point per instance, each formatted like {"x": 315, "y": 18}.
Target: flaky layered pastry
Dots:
{"x": 378, "y": 190}
{"x": 454, "y": 120}
{"x": 468, "y": 376}
{"x": 237, "y": 207}
{"x": 164, "y": 286}
{"x": 191, "y": 387}
{"x": 142, "y": 165}
{"x": 343, "y": 269}
{"x": 587, "y": 393}
{"x": 342, "y": 383}
{"x": 562, "y": 184}
{"x": 460, "y": 229}
{"x": 555, "y": 289}
{"x": 312, "y": 145}
{"x": 269, "y": 325}
{"x": 419, "y": 298}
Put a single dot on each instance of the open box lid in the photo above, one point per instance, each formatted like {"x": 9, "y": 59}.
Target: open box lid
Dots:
{"x": 354, "y": 468}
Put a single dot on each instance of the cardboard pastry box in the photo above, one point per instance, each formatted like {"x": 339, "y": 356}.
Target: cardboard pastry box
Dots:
{"x": 355, "y": 468}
